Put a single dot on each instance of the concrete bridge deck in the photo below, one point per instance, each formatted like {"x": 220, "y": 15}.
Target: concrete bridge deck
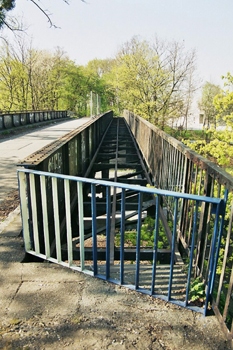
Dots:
{"x": 15, "y": 148}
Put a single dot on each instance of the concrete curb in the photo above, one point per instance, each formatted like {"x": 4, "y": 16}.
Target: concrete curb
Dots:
{"x": 10, "y": 218}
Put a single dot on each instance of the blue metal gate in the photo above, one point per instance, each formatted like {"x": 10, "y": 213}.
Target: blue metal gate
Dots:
{"x": 54, "y": 197}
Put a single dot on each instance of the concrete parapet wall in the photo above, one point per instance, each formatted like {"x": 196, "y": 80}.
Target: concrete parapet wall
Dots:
{"x": 16, "y": 119}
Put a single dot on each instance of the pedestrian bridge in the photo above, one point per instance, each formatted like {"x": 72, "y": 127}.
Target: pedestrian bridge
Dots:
{"x": 121, "y": 200}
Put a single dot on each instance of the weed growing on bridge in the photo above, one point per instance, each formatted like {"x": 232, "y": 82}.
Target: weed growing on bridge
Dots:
{"x": 197, "y": 290}
{"x": 147, "y": 235}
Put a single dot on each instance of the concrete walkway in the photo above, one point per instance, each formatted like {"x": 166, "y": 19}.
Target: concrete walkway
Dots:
{"x": 16, "y": 148}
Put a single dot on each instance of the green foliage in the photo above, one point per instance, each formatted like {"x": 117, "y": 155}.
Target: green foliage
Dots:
{"x": 217, "y": 145}
{"x": 152, "y": 79}
{"x": 206, "y": 104}
{"x": 147, "y": 235}
{"x": 38, "y": 80}
{"x": 147, "y": 232}
{"x": 220, "y": 147}
{"x": 197, "y": 290}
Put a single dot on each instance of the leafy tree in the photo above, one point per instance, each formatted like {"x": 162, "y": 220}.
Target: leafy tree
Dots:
{"x": 29, "y": 78}
{"x": 219, "y": 148}
{"x": 206, "y": 104}
{"x": 101, "y": 74}
{"x": 224, "y": 101}
{"x": 153, "y": 79}
{"x": 12, "y": 80}
{"x": 37, "y": 80}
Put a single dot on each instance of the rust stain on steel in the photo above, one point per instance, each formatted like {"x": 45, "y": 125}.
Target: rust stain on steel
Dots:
{"x": 43, "y": 153}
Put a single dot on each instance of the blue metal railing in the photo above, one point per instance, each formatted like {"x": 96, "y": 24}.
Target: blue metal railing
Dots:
{"x": 50, "y": 241}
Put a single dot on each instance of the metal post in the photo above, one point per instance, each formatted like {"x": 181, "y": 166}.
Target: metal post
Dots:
{"x": 91, "y": 105}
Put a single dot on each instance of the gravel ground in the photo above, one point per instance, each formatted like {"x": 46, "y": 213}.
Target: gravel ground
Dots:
{"x": 9, "y": 204}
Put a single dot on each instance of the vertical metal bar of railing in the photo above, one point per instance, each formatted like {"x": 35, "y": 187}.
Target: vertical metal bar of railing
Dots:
{"x": 219, "y": 241}
{"x": 138, "y": 240}
{"x": 186, "y": 163}
{"x": 45, "y": 215}
{"x": 169, "y": 167}
{"x": 180, "y": 164}
{"x": 220, "y": 230}
{"x": 175, "y": 172}
{"x": 81, "y": 224}
{"x": 56, "y": 219}
{"x": 122, "y": 240}
{"x": 203, "y": 247}
{"x": 68, "y": 221}
{"x": 191, "y": 252}
{"x": 165, "y": 165}
{"x": 226, "y": 251}
{"x": 172, "y": 165}
{"x": 212, "y": 258}
{"x": 108, "y": 231}
{"x": 24, "y": 210}
{"x": 178, "y": 170}
{"x": 173, "y": 248}
{"x": 199, "y": 181}
{"x": 34, "y": 213}
{"x": 156, "y": 236}
{"x": 161, "y": 175}
{"x": 94, "y": 228}
{"x": 228, "y": 298}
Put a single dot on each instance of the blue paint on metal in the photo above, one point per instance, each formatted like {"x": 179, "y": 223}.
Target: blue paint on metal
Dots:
{"x": 212, "y": 259}
{"x": 156, "y": 237}
{"x": 94, "y": 228}
{"x": 122, "y": 240}
{"x": 191, "y": 251}
{"x": 215, "y": 244}
{"x": 173, "y": 248}
{"x": 108, "y": 231}
{"x": 220, "y": 231}
{"x": 138, "y": 239}
{"x": 152, "y": 191}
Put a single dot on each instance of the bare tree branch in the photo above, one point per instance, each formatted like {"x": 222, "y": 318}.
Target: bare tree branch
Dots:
{"x": 9, "y": 5}
{"x": 45, "y": 13}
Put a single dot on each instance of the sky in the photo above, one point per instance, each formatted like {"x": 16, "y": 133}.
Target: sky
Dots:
{"x": 98, "y": 28}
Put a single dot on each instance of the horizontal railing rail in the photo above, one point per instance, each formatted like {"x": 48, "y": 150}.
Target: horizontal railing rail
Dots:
{"x": 48, "y": 240}
{"x": 174, "y": 166}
